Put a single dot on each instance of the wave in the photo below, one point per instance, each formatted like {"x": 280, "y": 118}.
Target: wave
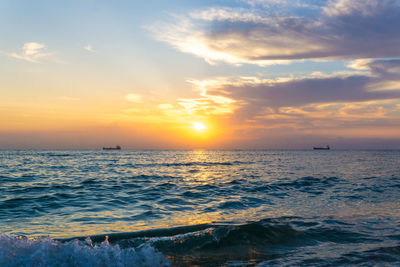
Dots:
{"x": 263, "y": 242}
{"x": 189, "y": 164}
{"x": 54, "y": 154}
{"x": 213, "y": 244}
{"x": 21, "y": 251}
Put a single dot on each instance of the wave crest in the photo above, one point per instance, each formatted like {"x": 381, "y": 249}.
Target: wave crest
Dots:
{"x": 21, "y": 251}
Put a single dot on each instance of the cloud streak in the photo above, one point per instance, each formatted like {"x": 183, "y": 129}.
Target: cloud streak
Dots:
{"x": 258, "y": 34}
{"x": 134, "y": 98}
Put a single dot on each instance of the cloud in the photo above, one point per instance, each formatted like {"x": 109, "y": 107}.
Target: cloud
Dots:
{"x": 258, "y": 34}
{"x": 208, "y": 103}
{"x": 135, "y": 98}
{"x": 349, "y": 7}
{"x": 336, "y": 88}
{"x": 165, "y": 106}
{"x": 317, "y": 103}
{"x": 31, "y": 52}
{"x": 89, "y": 48}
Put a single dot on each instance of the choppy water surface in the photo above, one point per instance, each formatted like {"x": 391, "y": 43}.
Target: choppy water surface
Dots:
{"x": 206, "y": 208}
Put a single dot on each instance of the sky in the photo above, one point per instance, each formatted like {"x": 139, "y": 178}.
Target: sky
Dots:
{"x": 237, "y": 74}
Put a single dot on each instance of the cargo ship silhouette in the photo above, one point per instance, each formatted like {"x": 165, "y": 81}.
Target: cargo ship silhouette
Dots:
{"x": 322, "y": 148}
{"x": 112, "y": 148}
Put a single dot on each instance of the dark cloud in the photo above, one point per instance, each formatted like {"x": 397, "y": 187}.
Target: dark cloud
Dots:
{"x": 380, "y": 84}
{"x": 299, "y": 92}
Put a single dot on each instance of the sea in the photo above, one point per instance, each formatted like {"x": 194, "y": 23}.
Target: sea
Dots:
{"x": 200, "y": 208}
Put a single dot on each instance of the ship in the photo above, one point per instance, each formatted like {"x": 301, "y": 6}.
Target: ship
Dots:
{"x": 112, "y": 148}
{"x": 322, "y": 148}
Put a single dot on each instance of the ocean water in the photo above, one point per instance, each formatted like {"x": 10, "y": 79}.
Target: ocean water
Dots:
{"x": 200, "y": 208}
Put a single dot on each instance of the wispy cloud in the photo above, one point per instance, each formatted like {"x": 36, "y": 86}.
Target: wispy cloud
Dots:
{"x": 165, "y": 106}
{"x": 258, "y": 34}
{"x": 89, "y": 48}
{"x": 134, "y": 98}
{"x": 32, "y": 52}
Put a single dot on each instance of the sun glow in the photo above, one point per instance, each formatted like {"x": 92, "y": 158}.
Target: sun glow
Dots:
{"x": 199, "y": 126}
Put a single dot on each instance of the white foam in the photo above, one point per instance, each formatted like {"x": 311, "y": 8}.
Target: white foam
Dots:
{"x": 21, "y": 251}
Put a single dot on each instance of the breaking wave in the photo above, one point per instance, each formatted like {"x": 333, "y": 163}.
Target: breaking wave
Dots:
{"x": 21, "y": 251}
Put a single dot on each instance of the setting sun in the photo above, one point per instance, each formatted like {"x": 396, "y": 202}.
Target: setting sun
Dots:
{"x": 199, "y": 126}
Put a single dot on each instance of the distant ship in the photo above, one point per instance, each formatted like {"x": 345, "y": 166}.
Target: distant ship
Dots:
{"x": 112, "y": 148}
{"x": 322, "y": 148}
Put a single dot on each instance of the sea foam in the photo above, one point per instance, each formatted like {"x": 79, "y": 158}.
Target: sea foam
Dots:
{"x": 21, "y": 251}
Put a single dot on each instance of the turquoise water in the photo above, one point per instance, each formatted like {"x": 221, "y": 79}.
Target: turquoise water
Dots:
{"x": 205, "y": 208}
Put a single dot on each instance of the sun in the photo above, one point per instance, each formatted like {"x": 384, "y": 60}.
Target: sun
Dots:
{"x": 199, "y": 126}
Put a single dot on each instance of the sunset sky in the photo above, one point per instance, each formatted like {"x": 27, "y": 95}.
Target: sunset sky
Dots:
{"x": 199, "y": 74}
